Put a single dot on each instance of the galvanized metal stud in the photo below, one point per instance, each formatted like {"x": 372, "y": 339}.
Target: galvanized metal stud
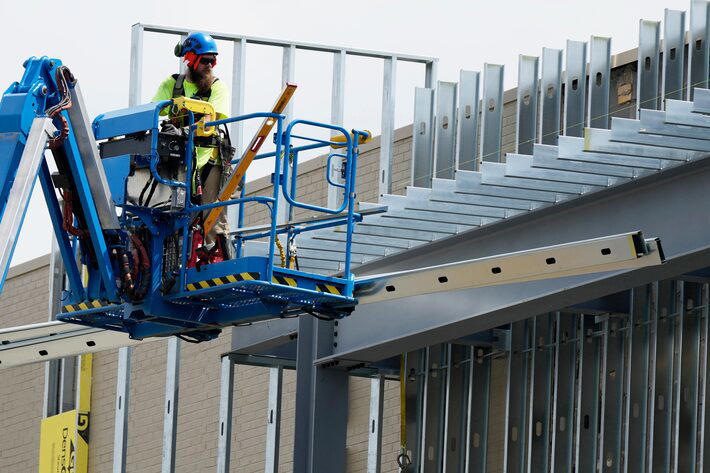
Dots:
{"x": 374, "y": 433}
{"x": 172, "y": 390}
{"x": 389, "y": 81}
{"x": 612, "y": 394}
{"x": 273, "y": 422}
{"x": 456, "y": 410}
{"x": 434, "y": 408}
{"x": 575, "y": 88}
{"x": 514, "y": 459}
{"x": 599, "y": 77}
{"x": 288, "y": 74}
{"x": 478, "y": 409}
{"x": 423, "y": 138}
{"x": 445, "y": 135}
{"x": 648, "y": 57}
{"x": 492, "y": 113}
{"x": 638, "y": 379}
{"x": 430, "y": 73}
{"x": 564, "y": 393}
{"x": 678, "y": 319}
{"x": 663, "y": 395}
{"x": 236, "y": 129}
{"x": 467, "y": 129}
{"x": 135, "y": 80}
{"x": 540, "y": 390}
{"x": 587, "y": 409}
{"x": 673, "y": 53}
{"x": 687, "y": 428}
{"x": 123, "y": 389}
{"x": 551, "y": 95}
{"x": 526, "y": 104}
{"x": 337, "y": 113}
{"x": 224, "y": 435}
{"x": 414, "y": 393}
{"x": 698, "y": 47}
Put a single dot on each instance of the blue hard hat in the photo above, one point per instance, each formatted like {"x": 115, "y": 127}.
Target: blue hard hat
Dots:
{"x": 198, "y": 43}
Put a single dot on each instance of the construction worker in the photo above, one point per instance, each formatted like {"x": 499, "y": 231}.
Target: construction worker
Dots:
{"x": 212, "y": 164}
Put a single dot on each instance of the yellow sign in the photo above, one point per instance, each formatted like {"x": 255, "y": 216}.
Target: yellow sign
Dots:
{"x": 57, "y": 444}
{"x": 64, "y": 438}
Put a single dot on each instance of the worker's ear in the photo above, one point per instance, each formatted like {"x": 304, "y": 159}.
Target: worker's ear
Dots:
{"x": 178, "y": 49}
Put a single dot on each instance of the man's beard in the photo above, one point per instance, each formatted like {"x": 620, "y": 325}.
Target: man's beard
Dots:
{"x": 203, "y": 81}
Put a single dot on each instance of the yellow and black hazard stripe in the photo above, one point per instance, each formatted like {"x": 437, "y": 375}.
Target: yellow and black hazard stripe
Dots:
{"x": 284, "y": 281}
{"x": 328, "y": 289}
{"x": 85, "y": 306}
{"x": 222, "y": 280}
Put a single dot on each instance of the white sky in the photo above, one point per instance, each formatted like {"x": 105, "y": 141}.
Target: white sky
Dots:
{"x": 93, "y": 39}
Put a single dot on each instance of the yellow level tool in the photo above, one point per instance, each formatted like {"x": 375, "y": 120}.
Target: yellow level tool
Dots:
{"x": 231, "y": 185}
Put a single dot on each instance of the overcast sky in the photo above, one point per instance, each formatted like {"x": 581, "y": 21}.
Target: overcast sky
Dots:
{"x": 93, "y": 39}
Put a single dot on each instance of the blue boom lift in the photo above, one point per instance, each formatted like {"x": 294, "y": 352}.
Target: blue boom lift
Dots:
{"x": 128, "y": 218}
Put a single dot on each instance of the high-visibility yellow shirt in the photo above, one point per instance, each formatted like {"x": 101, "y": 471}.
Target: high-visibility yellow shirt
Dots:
{"x": 219, "y": 98}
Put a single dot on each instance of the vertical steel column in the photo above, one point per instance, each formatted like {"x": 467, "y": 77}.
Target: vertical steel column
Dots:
{"x": 467, "y": 134}
{"x": 236, "y": 130}
{"x": 550, "y": 103}
{"x": 434, "y": 409}
{"x": 704, "y": 395}
{"x": 273, "y": 425}
{"x": 445, "y": 135}
{"x": 172, "y": 390}
{"x": 337, "y": 112}
{"x": 539, "y": 423}
{"x": 526, "y": 104}
{"x": 673, "y": 52}
{"x": 686, "y": 447}
{"x": 492, "y": 115}
{"x": 389, "y": 82}
{"x": 638, "y": 379}
{"x": 648, "y": 57}
{"x": 698, "y": 47}
{"x": 663, "y": 395}
{"x": 456, "y": 410}
{"x": 374, "y": 443}
{"x": 321, "y": 401}
{"x": 514, "y": 457}
{"x": 123, "y": 389}
{"x": 575, "y": 88}
{"x": 423, "y": 137}
{"x": 599, "y": 76}
{"x": 226, "y": 395}
{"x": 288, "y": 73}
{"x": 612, "y": 394}
{"x": 563, "y": 404}
{"x": 478, "y": 407}
{"x": 587, "y": 413}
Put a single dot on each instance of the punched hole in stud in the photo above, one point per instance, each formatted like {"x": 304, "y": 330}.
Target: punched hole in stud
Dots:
{"x": 672, "y": 54}
{"x": 550, "y": 91}
{"x": 575, "y": 84}
{"x": 598, "y": 80}
{"x": 698, "y": 44}
{"x": 43, "y": 353}
{"x": 443, "y": 279}
{"x": 491, "y": 105}
{"x": 91, "y": 343}
{"x": 496, "y": 270}
{"x": 586, "y": 421}
{"x": 550, "y": 261}
{"x": 647, "y": 63}
{"x": 389, "y": 288}
{"x": 606, "y": 251}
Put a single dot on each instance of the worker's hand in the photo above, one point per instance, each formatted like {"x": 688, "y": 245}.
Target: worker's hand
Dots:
{"x": 169, "y": 128}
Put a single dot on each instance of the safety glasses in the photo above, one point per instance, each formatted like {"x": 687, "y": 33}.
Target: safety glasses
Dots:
{"x": 208, "y": 60}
